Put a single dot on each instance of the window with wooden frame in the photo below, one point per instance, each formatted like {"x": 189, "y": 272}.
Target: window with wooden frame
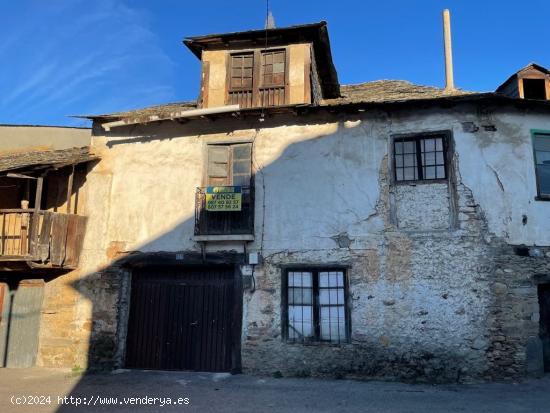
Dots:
{"x": 229, "y": 165}
{"x": 257, "y": 78}
{"x": 420, "y": 157}
{"x": 541, "y": 153}
{"x": 241, "y": 79}
{"x": 273, "y": 78}
{"x": 315, "y": 305}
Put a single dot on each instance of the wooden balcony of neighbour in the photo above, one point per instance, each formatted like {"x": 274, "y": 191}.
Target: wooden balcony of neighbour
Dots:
{"x": 40, "y": 224}
{"x": 222, "y": 224}
{"x": 43, "y": 239}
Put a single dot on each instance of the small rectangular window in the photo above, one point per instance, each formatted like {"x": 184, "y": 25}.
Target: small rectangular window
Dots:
{"x": 229, "y": 164}
{"x": 273, "y": 68}
{"x": 541, "y": 147}
{"x": 242, "y": 66}
{"x": 420, "y": 158}
{"x": 316, "y": 306}
{"x": 534, "y": 89}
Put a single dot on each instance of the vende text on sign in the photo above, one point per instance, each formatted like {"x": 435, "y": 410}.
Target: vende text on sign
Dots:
{"x": 224, "y": 198}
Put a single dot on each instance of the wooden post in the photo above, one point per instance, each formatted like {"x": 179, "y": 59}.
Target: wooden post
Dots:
{"x": 70, "y": 190}
{"x": 36, "y": 218}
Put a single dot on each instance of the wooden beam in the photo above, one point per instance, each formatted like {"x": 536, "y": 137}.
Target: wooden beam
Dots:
{"x": 70, "y": 189}
{"x": 36, "y": 217}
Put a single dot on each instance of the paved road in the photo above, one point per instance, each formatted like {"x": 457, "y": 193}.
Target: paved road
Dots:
{"x": 211, "y": 392}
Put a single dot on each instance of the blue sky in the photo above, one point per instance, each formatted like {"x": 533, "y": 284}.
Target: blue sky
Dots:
{"x": 63, "y": 57}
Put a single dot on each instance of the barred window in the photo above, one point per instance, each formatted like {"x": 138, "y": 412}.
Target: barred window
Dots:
{"x": 420, "y": 158}
{"x": 316, "y": 306}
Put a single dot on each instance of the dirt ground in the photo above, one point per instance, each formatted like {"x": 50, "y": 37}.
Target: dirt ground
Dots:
{"x": 53, "y": 390}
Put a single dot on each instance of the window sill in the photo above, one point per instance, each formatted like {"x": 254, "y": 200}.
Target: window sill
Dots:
{"x": 222, "y": 238}
{"x": 421, "y": 182}
{"x": 317, "y": 343}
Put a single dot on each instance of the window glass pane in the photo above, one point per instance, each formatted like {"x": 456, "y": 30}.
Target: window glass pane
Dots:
{"x": 409, "y": 174}
{"x": 299, "y": 279}
{"x": 428, "y": 158}
{"x": 398, "y": 147}
{"x": 278, "y": 67}
{"x": 543, "y": 157}
{"x": 542, "y": 142}
{"x": 543, "y": 172}
{"x": 331, "y": 279}
{"x": 333, "y": 323}
{"x": 439, "y": 159}
{"x": 399, "y": 161}
{"x": 399, "y": 175}
{"x": 429, "y": 145}
{"x": 440, "y": 170}
{"x": 241, "y": 151}
{"x": 409, "y": 147}
{"x": 241, "y": 167}
{"x": 241, "y": 180}
{"x": 410, "y": 160}
{"x": 429, "y": 172}
{"x": 300, "y": 322}
{"x": 439, "y": 144}
{"x": 331, "y": 296}
{"x": 300, "y": 296}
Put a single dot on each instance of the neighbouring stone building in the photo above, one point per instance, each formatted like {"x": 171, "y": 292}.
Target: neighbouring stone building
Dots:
{"x": 286, "y": 224}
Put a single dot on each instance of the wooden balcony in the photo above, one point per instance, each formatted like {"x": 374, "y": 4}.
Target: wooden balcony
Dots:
{"x": 43, "y": 239}
{"x": 230, "y": 223}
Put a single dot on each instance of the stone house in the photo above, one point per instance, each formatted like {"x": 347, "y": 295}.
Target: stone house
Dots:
{"x": 286, "y": 224}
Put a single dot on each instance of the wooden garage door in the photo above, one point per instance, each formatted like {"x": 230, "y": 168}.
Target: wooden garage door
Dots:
{"x": 180, "y": 319}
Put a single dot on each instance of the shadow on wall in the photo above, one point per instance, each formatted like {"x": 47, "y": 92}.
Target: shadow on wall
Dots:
{"x": 182, "y": 309}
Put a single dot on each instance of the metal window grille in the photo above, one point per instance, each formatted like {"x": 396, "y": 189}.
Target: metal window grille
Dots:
{"x": 316, "y": 306}
{"x": 420, "y": 158}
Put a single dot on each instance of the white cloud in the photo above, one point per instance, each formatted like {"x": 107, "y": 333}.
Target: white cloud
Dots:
{"x": 79, "y": 55}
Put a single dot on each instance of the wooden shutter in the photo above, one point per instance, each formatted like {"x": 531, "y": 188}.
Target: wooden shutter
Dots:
{"x": 218, "y": 165}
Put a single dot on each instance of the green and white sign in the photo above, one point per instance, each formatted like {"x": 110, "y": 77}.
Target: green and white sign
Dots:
{"x": 223, "y": 198}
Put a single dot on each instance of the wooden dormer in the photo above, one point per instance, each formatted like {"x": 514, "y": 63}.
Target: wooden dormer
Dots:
{"x": 531, "y": 82}
{"x": 261, "y": 68}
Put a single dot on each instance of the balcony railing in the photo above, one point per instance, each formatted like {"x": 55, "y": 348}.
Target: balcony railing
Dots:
{"x": 225, "y": 222}
{"x": 48, "y": 238}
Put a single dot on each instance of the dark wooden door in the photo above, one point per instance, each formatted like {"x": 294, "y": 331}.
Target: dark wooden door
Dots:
{"x": 544, "y": 302}
{"x": 181, "y": 318}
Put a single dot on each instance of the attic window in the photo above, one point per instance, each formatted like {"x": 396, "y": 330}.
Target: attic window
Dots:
{"x": 241, "y": 79}
{"x": 257, "y": 78}
{"x": 272, "y": 89}
{"x": 534, "y": 89}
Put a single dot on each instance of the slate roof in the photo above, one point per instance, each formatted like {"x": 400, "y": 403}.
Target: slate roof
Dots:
{"x": 390, "y": 91}
{"x": 378, "y": 91}
{"x": 41, "y": 159}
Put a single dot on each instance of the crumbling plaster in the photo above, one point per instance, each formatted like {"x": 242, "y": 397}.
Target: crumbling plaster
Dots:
{"x": 420, "y": 296}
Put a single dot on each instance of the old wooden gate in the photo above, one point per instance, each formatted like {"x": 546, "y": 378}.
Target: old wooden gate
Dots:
{"x": 181, "y": 319}
{"x": 20, "y": 312}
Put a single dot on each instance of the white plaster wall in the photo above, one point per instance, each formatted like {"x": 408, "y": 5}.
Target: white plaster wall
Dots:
{"x": 321, "y": 178}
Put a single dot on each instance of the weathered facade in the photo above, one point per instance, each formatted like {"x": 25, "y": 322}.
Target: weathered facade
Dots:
{"x": 385, "y": 229}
